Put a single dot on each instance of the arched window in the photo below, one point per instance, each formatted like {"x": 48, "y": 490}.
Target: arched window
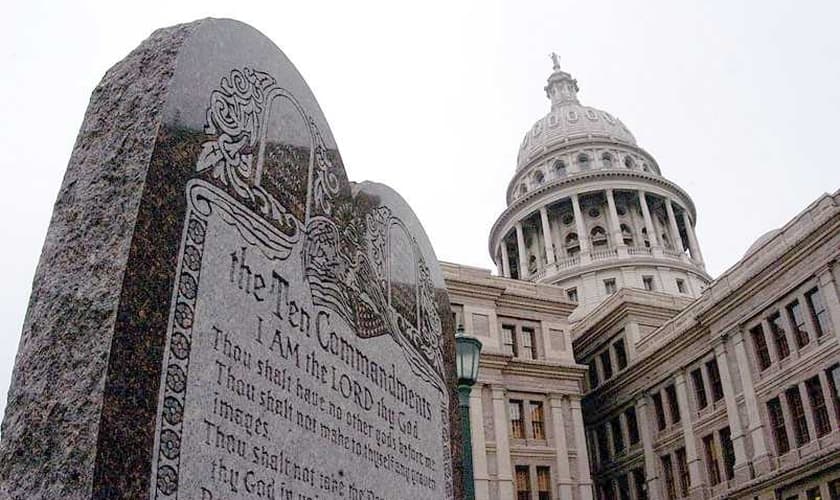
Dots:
{"x": 626, "y": 235}
{"x": 539, "y": 177}
{"x": 583, "y": 162}
{"x": 568, "y": 219}
{"x": 666, "y": 241}
{"x": 606, "y": 160}
{"x": 645, "y": 167}
{"x": 572, "y": 244}
{"x": 523, "y": 189}
{"x": 559, "y": 168}
{"x": 645, "y": 237}
{"x": 598, "y": 237}
{"x": 628, "y": 162}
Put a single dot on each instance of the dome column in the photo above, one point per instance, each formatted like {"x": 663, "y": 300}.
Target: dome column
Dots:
{"x": 520, "y": 246}
{"x": 694, "y": 248}
{"x": 583, "y": 236}
{"x": 615, "y": 229}
{"x": 549, "y": 242}
{"x": 651, "y": 231}
{"x": 505, "y": 259}
{"x": 675, "y": 231}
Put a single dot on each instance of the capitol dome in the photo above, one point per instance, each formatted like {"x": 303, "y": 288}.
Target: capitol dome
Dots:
{"x": 568, "y": 120}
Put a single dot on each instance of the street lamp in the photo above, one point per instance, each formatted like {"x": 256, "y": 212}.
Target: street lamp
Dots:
{"x": 467, "y": 351}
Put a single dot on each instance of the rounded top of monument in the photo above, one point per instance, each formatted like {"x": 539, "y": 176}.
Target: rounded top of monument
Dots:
{"x": 569, "y": 119}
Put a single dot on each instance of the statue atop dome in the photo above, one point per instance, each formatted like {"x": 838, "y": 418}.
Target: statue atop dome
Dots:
{"x": 555, "y": 59}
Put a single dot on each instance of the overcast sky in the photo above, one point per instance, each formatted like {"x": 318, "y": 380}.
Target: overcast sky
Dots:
{"x": 738, "y": 102}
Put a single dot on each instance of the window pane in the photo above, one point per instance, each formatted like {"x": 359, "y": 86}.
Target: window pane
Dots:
{"x": 777, "y": 424}
{"x": 728, "y": 453}
{"x": 606, "y": 364}
{"x": 714, "y": 380}
{"x": 508, "y": 335}
{"x": 797, "y": 413}
{"x": 800, "y": 332}
{"x": 544, "y": 483}
{"x": 818, "y": 407}
{"x": 762, "y": 354}
{"x": 779, "y": 337}
{"x": 603, "y": 445}
{"x": 620, "y": 354}
{"x": 673, "y": 404}
{"x": 668, "y": 470}
{"x": 682, "y": 471}
{"x": 523, "y": 483}
{"x": 660, "y": 411}
{"x": 618, "y": 437}
{"x": 816, "y": 307}
{"x": 517, "y": 422}
{"x": 537, "y": 420}
{"x": 640, "y": 484}
{"x": 699, "y": 388}
{"x": 632, "y": 425}
{"x": 711, "y": 459}
{"x": 529, "y": 346}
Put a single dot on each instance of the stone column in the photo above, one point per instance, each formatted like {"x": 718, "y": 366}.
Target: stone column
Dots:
{"x": 736, "y": 432}
{"x": 549, "y": 242}
{"x": 651, "y": 230}
{"x": 672, "y": 224}
{"x": 505, "y": 260}
{"x": 504, "y": 470}
{"x": 584, "y": 480}
{"x": 828, "y": 289}
{"x": 693, "y": 246}
{"x": 583, "y": 236}
{"x": 523, "y": 255}
{"x": 564, "y": 479}
{"x": 615, "y": 227}
{"x": 482, "y": 479}
{"x": 651, "y": 471}
{"x": 761, "y": 458}
{"x": 694, "y": 463}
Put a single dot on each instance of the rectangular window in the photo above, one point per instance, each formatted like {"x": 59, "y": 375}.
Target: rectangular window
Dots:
{"x": 816, "y": 306}
{"x": 537, "y": 420}
{"x": 508, "y": 339}
{"x": 620, "y": 354}
{"x": 517, "y": 419}
{"x": 623, "y": 488}
{"x": 571, "y": 293}
{"x": 523, "y": 483}
{"x": 603, "y": 444}
{"x": 814, "y": 494}
{"x": 607, "y": 491}
{"x": 609, "y": 286}
{"x": 728, "y": 453}
{"x": 699, "y": 388}
{"x": 711, "y": 459}
{"x": 762, "y": 354}
{"x": 779, "y": 337}
{"x": 682, "y": 471}
{"x": 647, "y": 281}
{"x": 668, "y": 471}
{"x": 673, "y": 404}
{"x": 660, "y": 411}
{"x": 819, "y": 410}
{"x": 593, "y": 374}
{"x": 714, "y": 380}
{"x": 640, "y": 483}
{"x": 797, "y": 414}
{"x": 834, "y": 489}
{"x": 618, "y": 437}
{"x": 529, "y": 344}
{"x": 681, "y": 286}
{"x": 543, "y": 483}
{"x": 606, "y": 364}
{"x": 800, "y": 333}
{"x": 777, "y": 424}
{"x": 632, "y": 425}
{"x": 833, "y": 375}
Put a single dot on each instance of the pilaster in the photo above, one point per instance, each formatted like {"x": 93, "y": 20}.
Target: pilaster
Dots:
{"x": 504, "y": 472}
{"x": 564, "y": 479}
{"x": 694, "y": 463}
{"x": 761, "y": 457}
{"x": 651, "y": 471}
{"x": 584, "y": 479}
{"x": 482, "y": 479}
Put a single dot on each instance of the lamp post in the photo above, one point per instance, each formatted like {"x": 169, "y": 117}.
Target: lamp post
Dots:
{"x": 467, "y": 351}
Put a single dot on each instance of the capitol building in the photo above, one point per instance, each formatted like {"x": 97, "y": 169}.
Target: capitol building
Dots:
{"x": 614, "y": 366}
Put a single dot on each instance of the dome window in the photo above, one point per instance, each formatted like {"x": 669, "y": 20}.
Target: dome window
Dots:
{"x": 626, "y": 235}
{"x": 583, "y": 162}
{"x": 594, "y": 213}
{"x": 539, "y": 177}
{"x": 645, "y": 237}
{"x": 628, "y": 162}
{"x": 606, "y": 160}
{"x": 523, "y": 189}
{"x": 559, "y": 168}
{"x": 621, "y": 211}
{"x": 568, "y": 219}
{"x": 572, "y": 244}
{"x": 645, "y": 167}
{"x": 598, "y": 236}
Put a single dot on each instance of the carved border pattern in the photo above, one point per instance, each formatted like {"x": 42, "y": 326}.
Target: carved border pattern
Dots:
{"x": 346, "y": 254}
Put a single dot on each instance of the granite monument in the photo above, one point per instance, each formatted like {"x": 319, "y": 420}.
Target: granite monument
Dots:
{"x": 219, "y": 313}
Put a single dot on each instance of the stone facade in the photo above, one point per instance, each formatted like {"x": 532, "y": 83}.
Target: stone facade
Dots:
{"x": 613, "y": 366}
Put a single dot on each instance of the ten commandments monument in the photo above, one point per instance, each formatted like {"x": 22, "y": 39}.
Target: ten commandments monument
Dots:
{"x": 218, "y": 312}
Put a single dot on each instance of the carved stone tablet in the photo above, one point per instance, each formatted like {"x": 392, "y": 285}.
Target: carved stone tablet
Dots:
{"x": 218, "y": 312}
